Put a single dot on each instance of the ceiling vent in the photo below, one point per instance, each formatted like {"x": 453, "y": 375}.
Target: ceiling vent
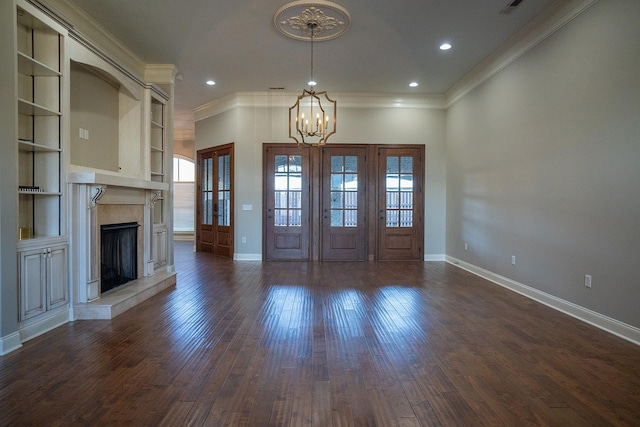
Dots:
{"x": 511, "y": 7}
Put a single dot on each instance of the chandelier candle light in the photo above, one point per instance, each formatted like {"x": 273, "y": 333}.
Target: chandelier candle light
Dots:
{"x": 312, "y": 119}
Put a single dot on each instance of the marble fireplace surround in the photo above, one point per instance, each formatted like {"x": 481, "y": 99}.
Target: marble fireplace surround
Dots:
{"x": 98, "y": 199}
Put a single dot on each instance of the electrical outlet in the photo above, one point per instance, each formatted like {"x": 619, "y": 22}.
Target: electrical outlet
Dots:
{"x": 244, "y": 239}
{"x": 513, "y": 260}
{"x": 466, "y": 246}
{"x": 587, "y": 280}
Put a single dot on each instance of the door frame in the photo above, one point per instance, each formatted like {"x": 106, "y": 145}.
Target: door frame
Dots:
{"x": 418, "y": 194}
{"x": 372, "y": 193}
{"x": 199, "y": 156}
{"x": 309, "y": 156}
{"x": 364, "y": 211}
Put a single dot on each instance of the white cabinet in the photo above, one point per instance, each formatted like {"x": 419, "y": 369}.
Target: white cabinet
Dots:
{"x": 159, "y": 246}
{"x": 42, "y": 249}
{"x": 43, "y": 280}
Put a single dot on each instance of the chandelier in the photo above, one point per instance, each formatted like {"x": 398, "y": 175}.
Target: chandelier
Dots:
{"x": 316, "y": 125}
{"x": 313, "y": 117}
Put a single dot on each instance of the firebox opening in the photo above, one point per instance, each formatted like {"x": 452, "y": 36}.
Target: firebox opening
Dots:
{"x": 118, "y": 254}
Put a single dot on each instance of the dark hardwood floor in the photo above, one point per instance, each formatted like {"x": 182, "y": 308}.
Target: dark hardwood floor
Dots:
{"x": 324, "y": 344}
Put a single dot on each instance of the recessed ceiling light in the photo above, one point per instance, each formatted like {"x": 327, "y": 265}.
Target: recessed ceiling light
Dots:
{"x": 413, "y": 84}
{"x": 445, "y": 46}
{"x": 211, "y": 82}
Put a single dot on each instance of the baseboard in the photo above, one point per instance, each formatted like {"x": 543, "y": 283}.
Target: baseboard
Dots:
{"x": 258, "y": 257}
{"x": 182, "y": 236}
{"x": 608, "y": 324}
{"x": 10, "y": 343}
{"x": 247, "y": 257}
{"x": 43, "y": 324}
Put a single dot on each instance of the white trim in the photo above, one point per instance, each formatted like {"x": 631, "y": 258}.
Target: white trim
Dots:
{"x": 434, "y": 257}
{"x": 44, "y": 324}
{"x": 10, "y": 343}
{"x": 345, "y": 100}
{"x": 247, "y": 257}
{"x": 161, "y": 73}
{"x": 608, "y": 324}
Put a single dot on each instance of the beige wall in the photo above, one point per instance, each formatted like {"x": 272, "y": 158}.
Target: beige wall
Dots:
{"x": 543, "y": 163}
{"x": 250, "y": 127}
{"x": 185, "y": 148}
{"x": 99, "y": 118}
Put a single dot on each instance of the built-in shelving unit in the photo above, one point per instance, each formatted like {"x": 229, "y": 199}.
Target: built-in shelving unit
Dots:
{"x": 42, "y": 246}
{"x": 157, "y": 139}
{"x": 39, "y": 104}
{"x": 158, "y": 174}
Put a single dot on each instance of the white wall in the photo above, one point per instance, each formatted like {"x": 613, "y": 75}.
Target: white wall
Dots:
{"x": 251, "y": 126}
{"x": 543, "y": 163}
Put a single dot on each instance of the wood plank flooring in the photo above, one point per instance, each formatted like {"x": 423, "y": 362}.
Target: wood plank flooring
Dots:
{"x": 324, "y": 344}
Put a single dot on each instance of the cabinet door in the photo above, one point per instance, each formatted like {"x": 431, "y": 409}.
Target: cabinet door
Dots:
{"x": 32, "y": 283}
{"x": 57, "y": 277}
{"x": 160, "y": 247}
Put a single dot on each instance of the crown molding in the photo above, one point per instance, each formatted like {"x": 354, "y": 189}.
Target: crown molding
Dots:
{"x": 161, "y": 73}
{"x": 552, "y": 18}
{"x": 344, "y": 99}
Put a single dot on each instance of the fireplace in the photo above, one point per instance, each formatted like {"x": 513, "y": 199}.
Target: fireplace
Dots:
{"x": 118, "y": 254}
{"x": 99, "y": 200}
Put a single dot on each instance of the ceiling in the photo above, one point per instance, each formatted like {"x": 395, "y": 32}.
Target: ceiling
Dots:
{"x": 236, "y": 43}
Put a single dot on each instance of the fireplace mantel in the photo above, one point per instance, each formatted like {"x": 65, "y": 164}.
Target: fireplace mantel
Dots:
{"x": 126, "y": 199}
{"x": 93, "y": 178}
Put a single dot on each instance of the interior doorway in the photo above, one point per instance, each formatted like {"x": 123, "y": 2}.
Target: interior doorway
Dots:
{"x": 287, "y": 201}
{"x": 400, "y": 205}
{"x": 343, "y": 202}
{"x": 214, "y": 218}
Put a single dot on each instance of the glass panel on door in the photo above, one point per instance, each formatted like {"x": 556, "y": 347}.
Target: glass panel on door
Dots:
{"x": 288, "y": 191}
{"x": 224, "y": 190}
{"x": 207, "y": 191}
{"x": 399, "y": 191}
{"x": 344, "y": 191}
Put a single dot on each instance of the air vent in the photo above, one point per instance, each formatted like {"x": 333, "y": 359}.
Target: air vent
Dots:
{"x": 276, "y": 88}
{"x": 510, "y": 7}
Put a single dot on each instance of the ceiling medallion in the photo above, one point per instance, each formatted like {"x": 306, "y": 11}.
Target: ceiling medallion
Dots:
{"x": 329, "y": 20}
